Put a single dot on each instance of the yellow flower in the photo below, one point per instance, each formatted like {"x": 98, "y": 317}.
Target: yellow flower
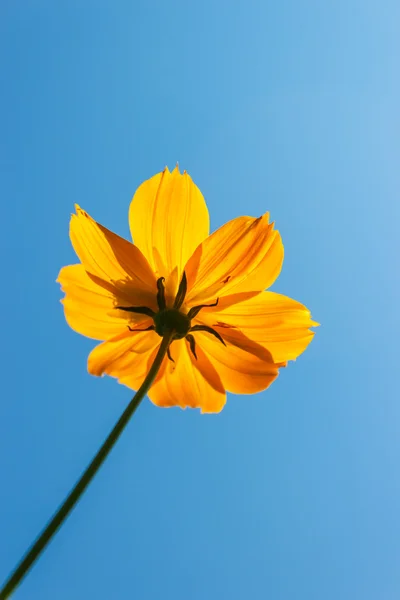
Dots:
{"x": 230, "y": 334}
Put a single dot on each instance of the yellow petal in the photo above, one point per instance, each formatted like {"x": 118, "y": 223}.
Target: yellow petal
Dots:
{"x": 278, "y": 323}
{"x": 89, "y": 305}
{"x": 168, "y": 218}
{"x": 244, "y": 255}
{"x": 113, "y": 259}
{"x": 126, "y": 355}
{"x": 139, "y": 369}
{"x": 188, "y": 382}
{"x": 244, "y": 368}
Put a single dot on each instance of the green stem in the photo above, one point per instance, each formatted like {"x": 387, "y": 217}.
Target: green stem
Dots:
{"x": 62, "y": 513}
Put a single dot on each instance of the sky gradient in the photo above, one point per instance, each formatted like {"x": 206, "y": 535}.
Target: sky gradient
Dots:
{"x": 291, "y": 107}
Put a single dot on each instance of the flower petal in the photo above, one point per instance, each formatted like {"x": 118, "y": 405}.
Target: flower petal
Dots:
{"x": 278, "y": 323}
{"x": 168, "y": 218}
{"x": 244, "y": 255}
{"x": 244, "y": 368}
{"x": 113, "y": 259}
{"x": 139, "y": 369}
{"x": 88, "y": 307}
{"x": 125, "y": 355}
{"x": 188, "y": 382}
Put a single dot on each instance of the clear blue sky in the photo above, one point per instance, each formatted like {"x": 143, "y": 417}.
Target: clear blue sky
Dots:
{"x": 289, "y": 106}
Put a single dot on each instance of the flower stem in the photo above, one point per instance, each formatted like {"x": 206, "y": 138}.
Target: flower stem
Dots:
{"x": 62, "y": 513}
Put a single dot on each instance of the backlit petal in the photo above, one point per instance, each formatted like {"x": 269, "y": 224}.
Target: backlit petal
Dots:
{"x": 188, "y": 382}
{"x": 134, "y": 376}
{"x": 277, "y": 322}
{"x": 126, "y": 355}
{"x": 243, "y": 370}
{"x": 244, "y": 255}
{"x": 168, "y": 218}
{"x": 89, "y": 305}
{"x": 113, "y": 259}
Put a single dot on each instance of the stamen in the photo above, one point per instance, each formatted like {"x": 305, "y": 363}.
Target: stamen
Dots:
{"x": 169, "y": 355}
{"x": 192, "y": 344}
{"x": 161, "y": 293}
{"x": 209, "y": 330}
{"x": 193, "y": 312}
{"x": 141, "y": 310}
{"x": 180, "y": 296}
{"x": 150, "y": 328}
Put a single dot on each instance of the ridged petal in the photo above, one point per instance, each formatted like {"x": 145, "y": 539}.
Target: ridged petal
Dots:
{"x": 244, "y": 255}
{"x": 168, "y": 218}
{"x": 89, "y": 307}
{"x": 139, "y": 369}
{"x": 278, "y": 323}
{"x": 188, "y": 382}
{"x": 244, "y": 368}
{"x": 125, "y": 356}
{"x": 113, "y": 259}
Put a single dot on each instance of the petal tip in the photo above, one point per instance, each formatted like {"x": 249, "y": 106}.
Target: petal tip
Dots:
{"x": 212, "y": 411}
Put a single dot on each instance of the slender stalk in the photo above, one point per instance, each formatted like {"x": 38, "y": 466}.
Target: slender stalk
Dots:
{"x": 62, "y": 513}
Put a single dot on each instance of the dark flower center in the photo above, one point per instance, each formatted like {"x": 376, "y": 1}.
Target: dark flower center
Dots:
{"x": 172, "y": 319}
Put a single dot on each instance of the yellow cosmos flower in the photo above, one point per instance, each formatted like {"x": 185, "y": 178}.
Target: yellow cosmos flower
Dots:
{"x": 228, "y": 333}
{"x": 182, "y": 315}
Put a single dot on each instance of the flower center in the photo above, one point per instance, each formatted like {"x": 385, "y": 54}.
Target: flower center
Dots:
{"x": 171, "y": 319}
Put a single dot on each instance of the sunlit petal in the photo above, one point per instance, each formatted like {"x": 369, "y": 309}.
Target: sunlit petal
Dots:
{"x": 244, "y": 368}
{"x": 88, "y": 306}
{"x": 244, "y": 255}
{"x": 168, "y": 218}
{"x": 112, "y": 258}
{"x": 188, "y": 382}
{"x": 121, "y": 355}
{"x": 276, "y": 322}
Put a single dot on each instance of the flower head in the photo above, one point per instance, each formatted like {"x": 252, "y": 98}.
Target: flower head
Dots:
{"x": 229, "y": 333}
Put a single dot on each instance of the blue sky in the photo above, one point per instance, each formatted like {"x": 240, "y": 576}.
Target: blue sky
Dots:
{"x": 291, "y": 107}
